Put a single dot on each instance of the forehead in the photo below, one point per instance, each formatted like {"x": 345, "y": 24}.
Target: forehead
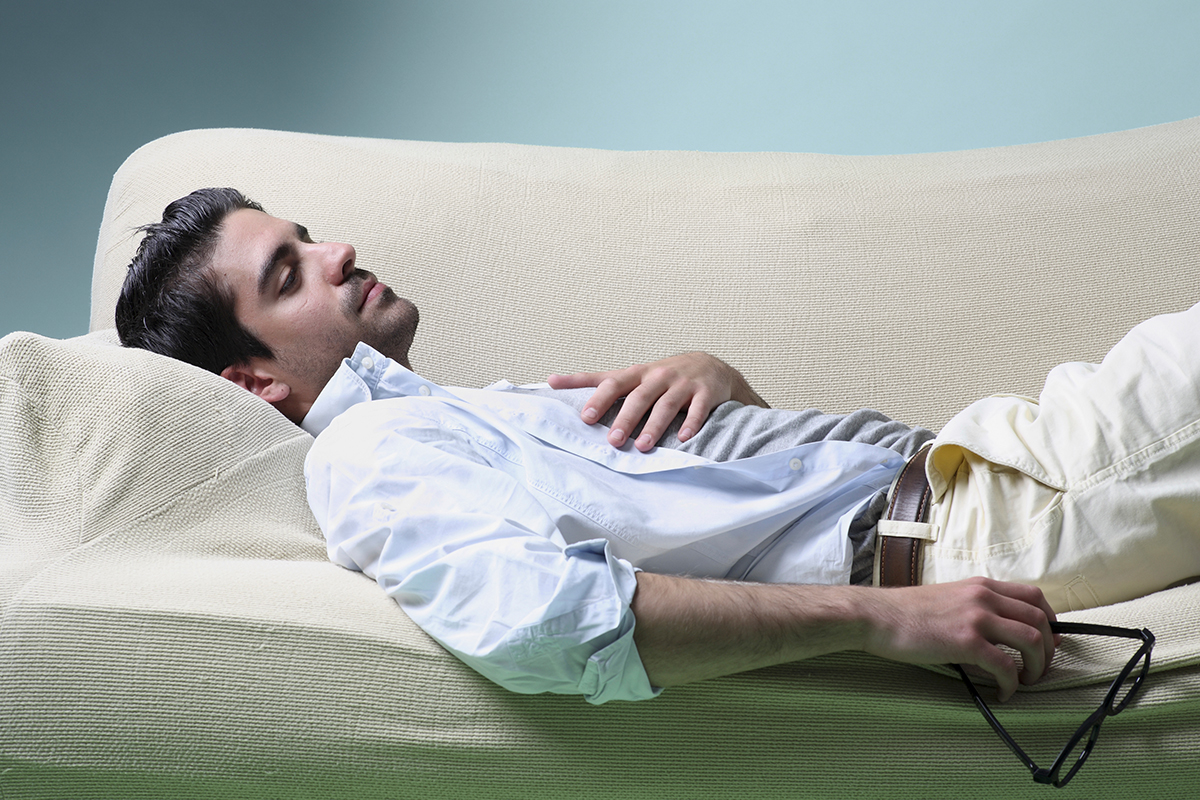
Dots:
{"x": 246, "y": 238}
{"x": 248, "y": 242}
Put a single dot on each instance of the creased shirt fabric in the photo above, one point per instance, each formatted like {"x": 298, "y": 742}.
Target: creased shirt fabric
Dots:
{"x": 511, "y": 532}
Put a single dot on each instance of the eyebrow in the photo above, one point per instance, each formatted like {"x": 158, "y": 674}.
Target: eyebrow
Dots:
{"x": 267, "y": 271}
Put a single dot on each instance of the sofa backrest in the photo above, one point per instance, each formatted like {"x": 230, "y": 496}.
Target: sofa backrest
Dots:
{"x": 913, "y": 284}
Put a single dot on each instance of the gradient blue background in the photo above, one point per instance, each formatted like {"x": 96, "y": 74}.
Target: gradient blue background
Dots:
{"x": 83, "y": 84}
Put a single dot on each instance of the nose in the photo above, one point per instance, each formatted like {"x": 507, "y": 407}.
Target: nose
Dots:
{"x": 339, "y": 261}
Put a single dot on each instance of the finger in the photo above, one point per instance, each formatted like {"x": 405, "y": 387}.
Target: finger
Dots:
{"x": 608, "y": 391}
{"x": 1001, "y": 666}
{"x": 1026, "y": 640}
{"x": 578, "y": 380}
{"x": 665, "y": 409}
{"x": 637, "y": 403}
{"x": 1054, "y": 639}
{"x": 699, "y": 410}
{"x": 1034, "y": 610}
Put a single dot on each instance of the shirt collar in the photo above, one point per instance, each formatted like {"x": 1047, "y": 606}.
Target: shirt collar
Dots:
{"x": 360, "y": 378}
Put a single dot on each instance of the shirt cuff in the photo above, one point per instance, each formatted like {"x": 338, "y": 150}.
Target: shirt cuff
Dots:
{"x": 615, "y": 671}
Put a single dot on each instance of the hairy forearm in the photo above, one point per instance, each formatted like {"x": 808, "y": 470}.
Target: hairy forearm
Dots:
{"x": 690, "y": 630}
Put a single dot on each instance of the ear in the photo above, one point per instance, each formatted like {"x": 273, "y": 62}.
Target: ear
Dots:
{"x": 255, "y": 378}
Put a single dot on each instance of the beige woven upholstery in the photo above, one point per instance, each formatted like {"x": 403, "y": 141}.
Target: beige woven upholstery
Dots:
{"x": 169, "y": 626}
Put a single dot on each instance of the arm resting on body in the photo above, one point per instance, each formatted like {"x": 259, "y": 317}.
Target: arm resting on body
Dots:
{"x": 689, "y": 630}
{"x": 697, "y": 382}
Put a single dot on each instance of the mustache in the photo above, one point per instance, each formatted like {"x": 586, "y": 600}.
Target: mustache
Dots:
{"x": 352, "y": 288}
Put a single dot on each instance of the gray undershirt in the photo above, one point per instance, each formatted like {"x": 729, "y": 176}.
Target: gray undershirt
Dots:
{"x": 735, "y": 431}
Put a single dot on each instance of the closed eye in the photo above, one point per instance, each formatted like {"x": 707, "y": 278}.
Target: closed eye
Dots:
{"x": 289, "y": 280}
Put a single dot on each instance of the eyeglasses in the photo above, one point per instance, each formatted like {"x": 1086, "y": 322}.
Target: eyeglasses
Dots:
{"x": 1079, "y": 747}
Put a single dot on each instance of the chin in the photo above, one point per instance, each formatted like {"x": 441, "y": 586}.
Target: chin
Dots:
{"x": 394, "y": 336}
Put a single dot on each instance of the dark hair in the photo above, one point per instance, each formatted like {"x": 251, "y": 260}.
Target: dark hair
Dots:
{"x": 171, "y": 303}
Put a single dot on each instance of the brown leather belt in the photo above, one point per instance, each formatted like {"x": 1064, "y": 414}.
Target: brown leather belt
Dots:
{"x": 900, "y": 556}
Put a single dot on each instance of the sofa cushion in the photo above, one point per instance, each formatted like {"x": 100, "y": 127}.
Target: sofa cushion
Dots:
{"x": 170, "y": 622}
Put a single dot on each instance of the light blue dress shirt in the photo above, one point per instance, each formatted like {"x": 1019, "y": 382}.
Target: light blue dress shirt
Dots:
{"x": 512, "y": 533}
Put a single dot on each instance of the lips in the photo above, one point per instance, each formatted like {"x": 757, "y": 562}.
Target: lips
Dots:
{"x": 369, "y": 286}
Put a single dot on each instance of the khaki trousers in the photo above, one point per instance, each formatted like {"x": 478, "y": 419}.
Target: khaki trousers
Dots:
{"x": 1092, "y": 491}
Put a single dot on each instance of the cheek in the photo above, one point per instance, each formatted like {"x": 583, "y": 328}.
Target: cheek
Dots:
{"x": 317, "y": 329}
{"x": 339, "y": 336}
{"x": 295, "y": 329}
{"x": 309, "y": 317}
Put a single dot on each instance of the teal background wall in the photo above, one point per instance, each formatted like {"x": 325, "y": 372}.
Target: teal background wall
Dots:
{"x": 83, "y": 84}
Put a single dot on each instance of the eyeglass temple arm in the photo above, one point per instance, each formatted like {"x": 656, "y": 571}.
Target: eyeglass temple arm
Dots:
{"x": 997, "y": 727}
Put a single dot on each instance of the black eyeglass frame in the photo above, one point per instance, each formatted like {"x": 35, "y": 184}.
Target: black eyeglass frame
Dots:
{"x": 1090, "y": 726}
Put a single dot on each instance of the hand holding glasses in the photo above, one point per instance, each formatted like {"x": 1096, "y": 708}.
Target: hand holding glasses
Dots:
{"x": 1079, "y": 747}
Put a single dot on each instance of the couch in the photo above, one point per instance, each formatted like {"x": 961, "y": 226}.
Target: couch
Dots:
{"x": 170, "y": 626}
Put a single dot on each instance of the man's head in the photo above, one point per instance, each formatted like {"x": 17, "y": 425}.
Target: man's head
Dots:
{"x": 222, "y": 285}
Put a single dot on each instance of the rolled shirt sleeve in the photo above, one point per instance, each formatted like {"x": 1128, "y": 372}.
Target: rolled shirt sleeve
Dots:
{"x": 471, "y": 556}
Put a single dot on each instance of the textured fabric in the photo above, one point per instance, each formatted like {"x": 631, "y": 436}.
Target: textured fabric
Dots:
{"x": 1042, "y": 251}
{"x": 171, "y": 626}
{"x": 511, "y": 532}
{"x": 1091, "y": 492}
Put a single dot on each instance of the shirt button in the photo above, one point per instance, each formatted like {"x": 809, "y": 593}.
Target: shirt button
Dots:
{"x": 424, "y": 390}
{"x": 796, "y": 464}
{"x": 368, "y": 362}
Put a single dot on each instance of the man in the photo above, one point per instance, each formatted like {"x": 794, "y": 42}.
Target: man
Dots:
{"x": 279, "y": 313}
